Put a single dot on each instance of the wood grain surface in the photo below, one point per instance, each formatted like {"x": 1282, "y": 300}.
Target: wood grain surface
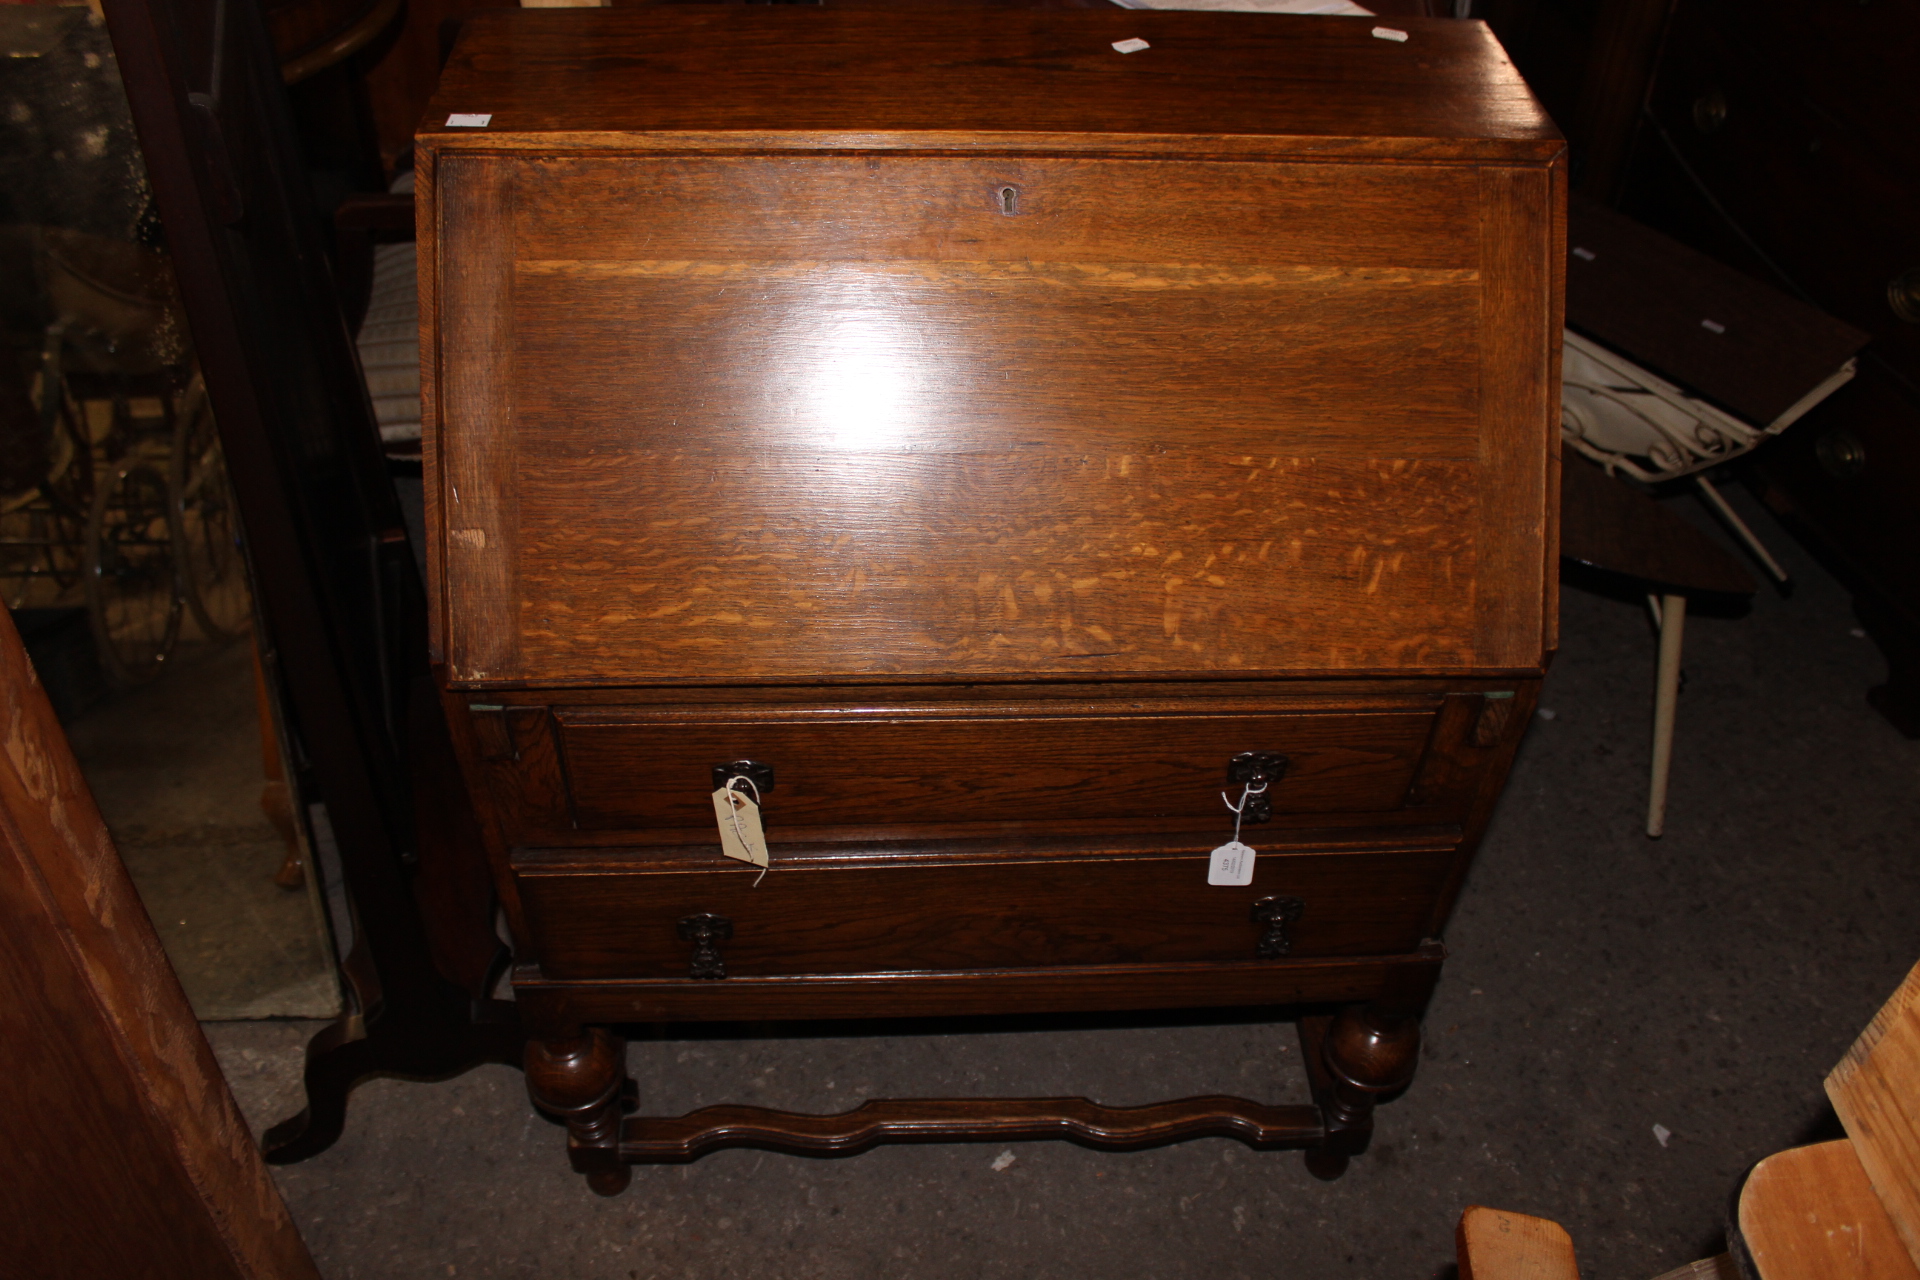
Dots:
{"x": 677, "y": 1139}
{"x": 555, "y": 1010}
{"x": 791, "y": 415}
{"x": 720, "y": 77}
{"x": 121, "y": 1150}
{"x": 1494, "y": 1244}
{"x": 939, "y": 450}
{"x": 1876, "y": 1091}
{"x": 897, "y": 914}
{"x": 1811, "y": 1214}
{"x": 1008, "y": 762}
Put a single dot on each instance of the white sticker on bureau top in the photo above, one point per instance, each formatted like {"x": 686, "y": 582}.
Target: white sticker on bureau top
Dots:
{"x": 469, "y": 121}
{"x": 1231, "y": 863}
{"x": 1134, "y": 45}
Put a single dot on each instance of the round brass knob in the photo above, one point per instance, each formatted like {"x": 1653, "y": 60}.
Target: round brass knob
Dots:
{"x": 1841, "y": 454}
{"x": 1903, "y": 295}
{"x": 1710, "y": 111}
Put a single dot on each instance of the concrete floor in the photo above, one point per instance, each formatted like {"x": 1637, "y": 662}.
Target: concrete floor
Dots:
{"x": 176, "y": 768}
{"x": 1602, "y": 984}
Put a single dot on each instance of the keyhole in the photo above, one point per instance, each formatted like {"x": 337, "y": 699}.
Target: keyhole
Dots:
{"x": 1009, "y": 201}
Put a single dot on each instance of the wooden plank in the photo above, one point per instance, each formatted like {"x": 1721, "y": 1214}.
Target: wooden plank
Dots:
{"x": 1811, "y": 1214}
{"x": 704, "y": 77}
{"x": 1876, "y": 1091}
{"x": 555, "y": 1010}
{"x": 1719, "y": 1267}
{"x": 640, "y": 564}
{"x": 1647, "y": 297}
{"x": 467, "y": 347}
{"x": 1516, "y": 512}
{"x": 909, "y": 765}
{"x": 1496, "y": 1245}
{"x": 936, "y": 208}
{"x": 121, "y": 1150}
{"x": 808, "y": 918}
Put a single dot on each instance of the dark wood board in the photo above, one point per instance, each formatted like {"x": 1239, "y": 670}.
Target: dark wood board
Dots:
{"x": 1655, "y": 301}
{"x": 756, "y": 77}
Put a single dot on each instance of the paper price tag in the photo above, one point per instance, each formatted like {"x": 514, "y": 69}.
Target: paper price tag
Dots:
{"x": 739, "y": 820}
{"x": 470, "y": 120}
{"x": 1231, "y": 863}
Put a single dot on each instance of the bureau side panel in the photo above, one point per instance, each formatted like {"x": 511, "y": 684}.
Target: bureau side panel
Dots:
{"x": 1522, "y": 229}
{"x": 474, "y": 542}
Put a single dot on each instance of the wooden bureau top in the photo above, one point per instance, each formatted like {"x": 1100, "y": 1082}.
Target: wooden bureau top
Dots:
{"x": 755, "y": 78}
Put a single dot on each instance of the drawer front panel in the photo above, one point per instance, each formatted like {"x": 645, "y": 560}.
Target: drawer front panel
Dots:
{"x": 1012, "y": 763}
{"x": 1095, "y": 909}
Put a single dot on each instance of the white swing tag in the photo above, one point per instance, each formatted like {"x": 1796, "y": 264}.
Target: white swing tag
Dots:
{"x": 739, "y": 820}
{"x": 1231, "y": 863}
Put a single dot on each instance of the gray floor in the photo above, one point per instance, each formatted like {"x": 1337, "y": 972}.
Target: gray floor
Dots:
{"x": 176, "y": 768}
{"x": 1602, "y": 984}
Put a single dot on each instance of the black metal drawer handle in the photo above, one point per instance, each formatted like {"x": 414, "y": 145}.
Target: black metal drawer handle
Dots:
{"x": 706, "y": 932}
{"x": 1256, "y": 771}
{"x": 1276, "y": 914}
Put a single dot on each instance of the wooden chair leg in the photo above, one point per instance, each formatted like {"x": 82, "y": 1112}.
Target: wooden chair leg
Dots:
{"x": 1673, "y": 622}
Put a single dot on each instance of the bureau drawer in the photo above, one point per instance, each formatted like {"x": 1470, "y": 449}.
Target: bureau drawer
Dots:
{"x": 593, "y": 919}
{"x": 1032, "y": 764}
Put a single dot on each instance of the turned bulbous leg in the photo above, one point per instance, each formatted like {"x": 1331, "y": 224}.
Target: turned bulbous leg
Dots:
{"x": 1370, "y": 1051}
{"x": 583, "y": 1081}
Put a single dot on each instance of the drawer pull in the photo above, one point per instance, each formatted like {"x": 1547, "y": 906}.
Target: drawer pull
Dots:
{"x": 1259, "y": 769}
{"x": 706, "y": 931}
{"x": 1276, "y": 914}
{"x": 761, "y": 775}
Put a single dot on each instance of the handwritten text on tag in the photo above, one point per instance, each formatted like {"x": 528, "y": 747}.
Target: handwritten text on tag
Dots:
{"x": 1231, "y": 863}
{"x": 739, "y": 820}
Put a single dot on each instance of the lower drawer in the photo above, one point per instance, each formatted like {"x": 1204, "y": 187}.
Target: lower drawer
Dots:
{"x": 592, "y": 919}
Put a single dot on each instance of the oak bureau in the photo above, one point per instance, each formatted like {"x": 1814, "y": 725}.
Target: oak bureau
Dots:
{"x": 987, "y": 455}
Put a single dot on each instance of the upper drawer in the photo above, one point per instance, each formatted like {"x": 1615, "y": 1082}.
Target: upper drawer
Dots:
{"x": 1042, "y": 767}
{"x": 803, "y": 417}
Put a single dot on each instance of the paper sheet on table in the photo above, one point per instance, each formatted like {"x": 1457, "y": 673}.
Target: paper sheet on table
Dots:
{"x": 1338, "y": 8}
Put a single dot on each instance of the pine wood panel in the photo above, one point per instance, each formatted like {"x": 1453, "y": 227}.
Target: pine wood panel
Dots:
{"x": 1496, "y": 1245}
{"x": 1876, "y": 1091}
{"x": 1811, "y": 1214}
